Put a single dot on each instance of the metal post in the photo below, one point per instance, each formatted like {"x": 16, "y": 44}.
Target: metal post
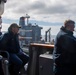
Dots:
{"x": 6, "y": 67}
{"x": 27, "y": 16}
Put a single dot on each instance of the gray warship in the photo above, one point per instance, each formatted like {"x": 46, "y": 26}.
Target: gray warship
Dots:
{"x": 31, "y": 33}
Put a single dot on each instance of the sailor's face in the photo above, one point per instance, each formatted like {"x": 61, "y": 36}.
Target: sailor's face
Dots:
{"x": 2, "y": 6}
{"x": 15, "y": 30}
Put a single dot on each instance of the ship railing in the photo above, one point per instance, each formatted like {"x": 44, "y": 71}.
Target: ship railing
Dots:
{"x": 4, "y": 61}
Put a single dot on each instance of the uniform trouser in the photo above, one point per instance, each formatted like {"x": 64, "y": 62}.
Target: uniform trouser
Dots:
{"x": 18, "y": 61}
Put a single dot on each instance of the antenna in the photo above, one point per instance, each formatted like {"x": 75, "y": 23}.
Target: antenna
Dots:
{"x": 27, "y": 16}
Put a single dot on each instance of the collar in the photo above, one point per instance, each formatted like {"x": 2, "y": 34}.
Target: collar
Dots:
{"x": 66, "y": 31}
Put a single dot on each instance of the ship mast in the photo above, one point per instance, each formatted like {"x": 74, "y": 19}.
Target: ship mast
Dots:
{"x": 27, "y": 17}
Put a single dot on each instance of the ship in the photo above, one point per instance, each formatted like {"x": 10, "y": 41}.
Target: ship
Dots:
{"x": 31, "y": 33}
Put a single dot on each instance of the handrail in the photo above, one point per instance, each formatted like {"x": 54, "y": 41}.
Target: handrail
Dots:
{"x": 5, "y": 54}
{"x": 5, "y": 59}
{"x": 43, "y": 45}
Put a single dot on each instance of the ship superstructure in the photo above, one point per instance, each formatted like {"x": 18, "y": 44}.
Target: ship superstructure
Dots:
{"x": 32, "y": 33}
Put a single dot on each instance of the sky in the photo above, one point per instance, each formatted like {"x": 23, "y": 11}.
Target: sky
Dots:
{"x": 45, "y": 13}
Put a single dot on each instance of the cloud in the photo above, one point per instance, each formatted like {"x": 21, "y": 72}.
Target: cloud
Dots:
{"x": 5, "y": 27}
{"x": 52, "y": 11}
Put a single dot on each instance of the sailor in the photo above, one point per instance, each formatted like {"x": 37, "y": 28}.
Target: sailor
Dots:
{"x": 10, "y": 43}
{"x": 65, "y": 50}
